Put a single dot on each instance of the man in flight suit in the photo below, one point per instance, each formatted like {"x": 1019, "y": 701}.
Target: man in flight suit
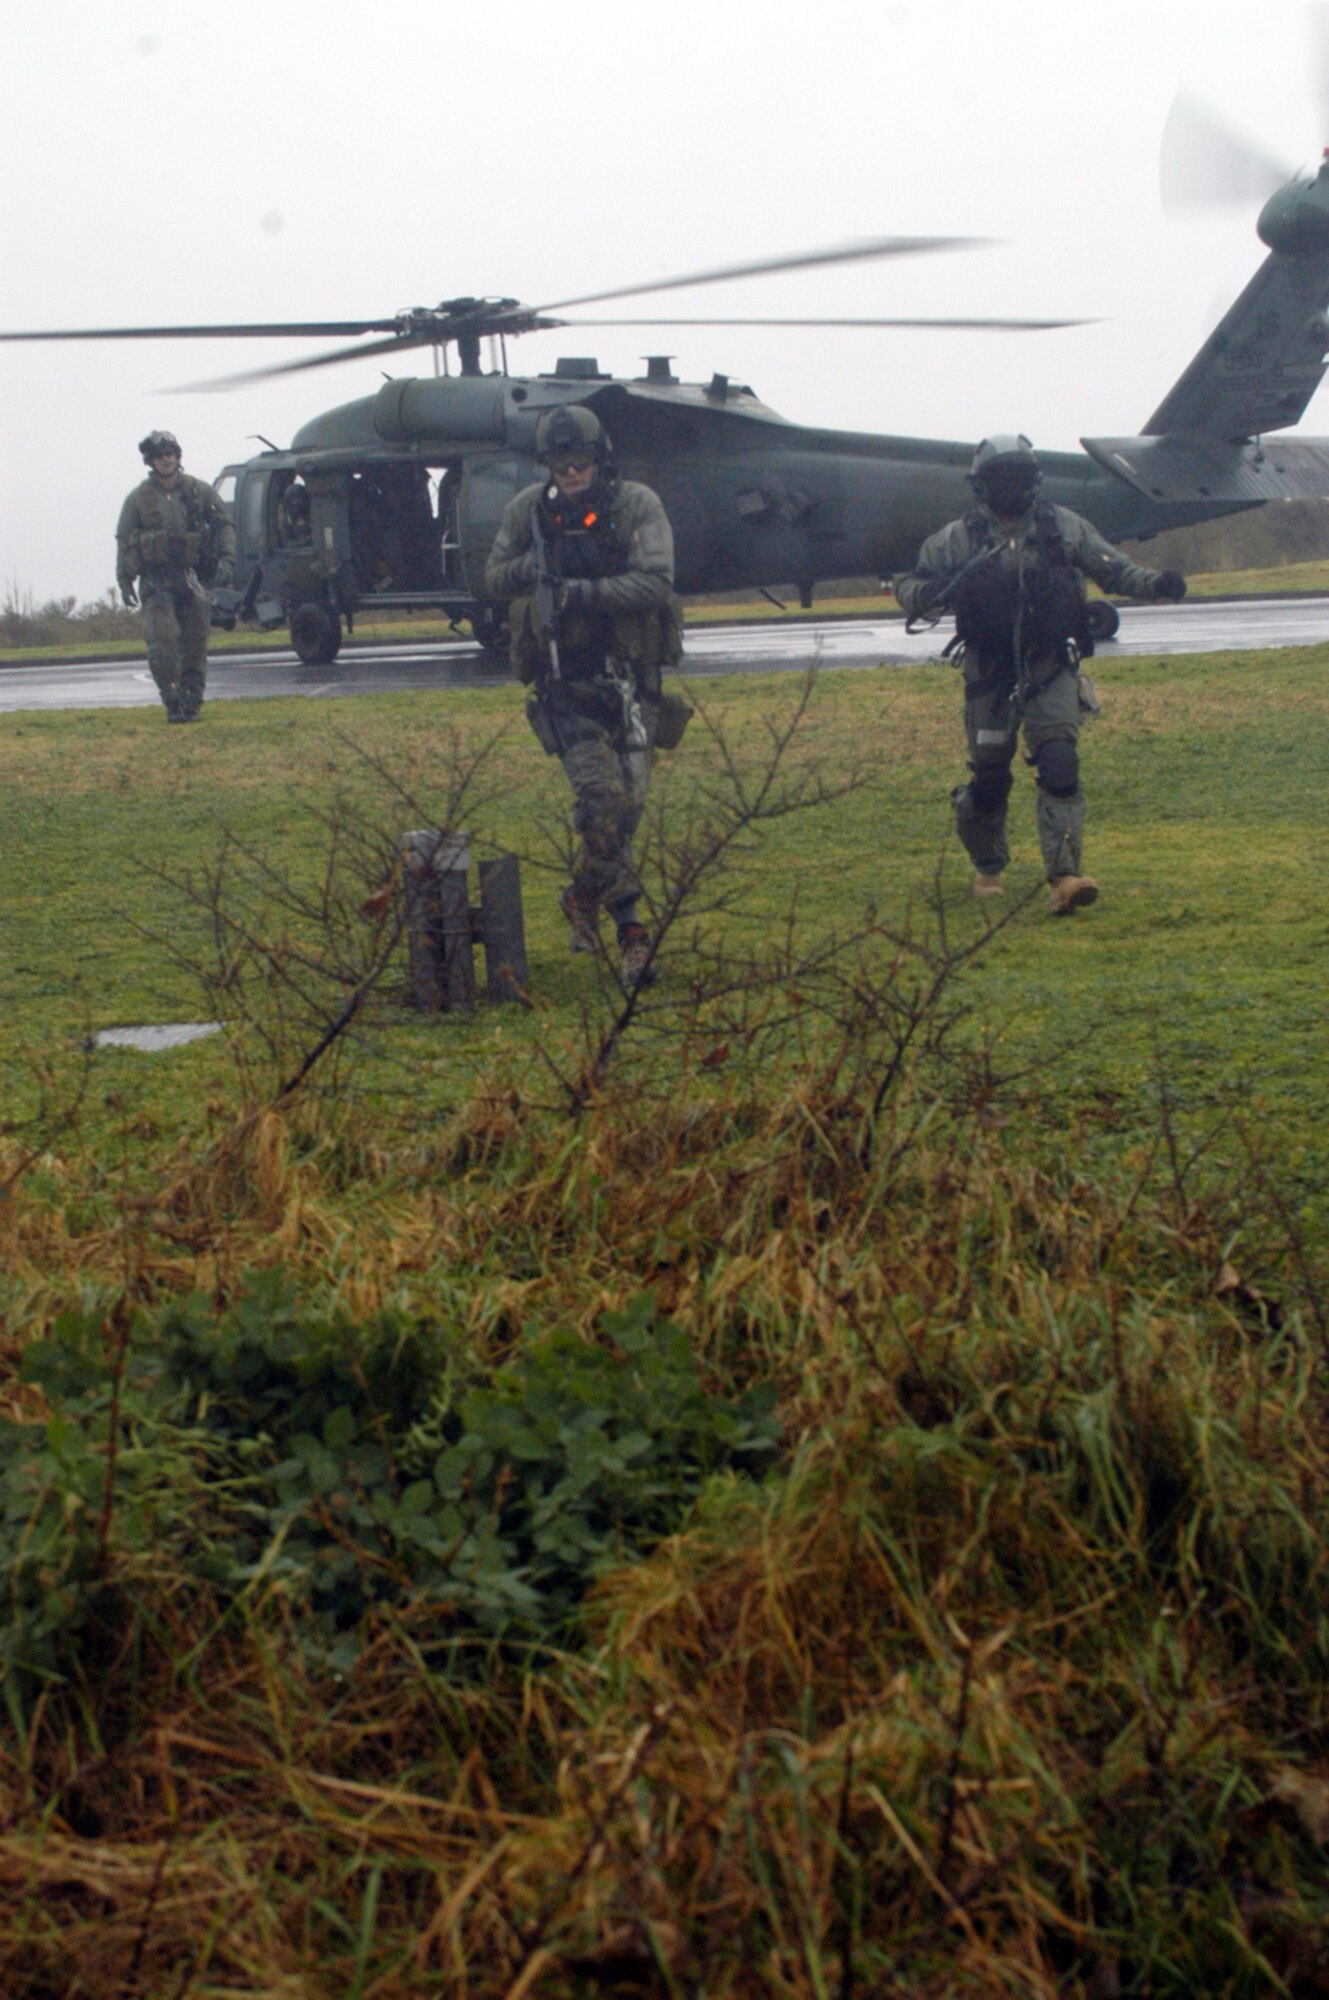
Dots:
{"x": 585, "y": 562}
{"x": 1011, "y": 570}
{"x": 174, "y": 539}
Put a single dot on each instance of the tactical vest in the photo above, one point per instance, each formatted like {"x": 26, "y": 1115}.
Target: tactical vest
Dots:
{"x": 583, "y": 541}
{"x": 581, "y": 534}
{"x": 647, "y": 637}
{"x": 155, "y": 544}
{"x": 1038, "y": 606}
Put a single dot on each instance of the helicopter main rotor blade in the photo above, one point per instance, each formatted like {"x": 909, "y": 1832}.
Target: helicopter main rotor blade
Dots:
{"x": 304, "y": 329}
{"x": 961, "y": 325}
{"x": 844, "y": 253}
{"x": 362, "y": 351}
{"x": 1202, "y": 161}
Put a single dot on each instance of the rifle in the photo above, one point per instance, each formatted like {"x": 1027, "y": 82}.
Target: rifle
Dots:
{"x": 546, "y": 592}
{"x": 941, "y": 604}
{"x": 616, "y": 673}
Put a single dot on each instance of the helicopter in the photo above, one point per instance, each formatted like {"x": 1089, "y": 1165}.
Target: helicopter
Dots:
{"x": 393, "y": 500}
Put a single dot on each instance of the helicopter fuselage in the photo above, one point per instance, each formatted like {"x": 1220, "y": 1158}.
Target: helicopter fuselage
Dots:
{"x": 400, "y": 494}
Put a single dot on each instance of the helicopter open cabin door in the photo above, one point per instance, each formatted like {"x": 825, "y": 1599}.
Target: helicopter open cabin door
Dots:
{"x": 481, "y": 491}
{"x": 325, "y": 540}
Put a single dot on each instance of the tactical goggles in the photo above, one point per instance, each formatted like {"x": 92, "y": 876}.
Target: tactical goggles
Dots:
{"x": 571, "y": 461}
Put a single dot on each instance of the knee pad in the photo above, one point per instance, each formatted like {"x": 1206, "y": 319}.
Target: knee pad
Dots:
{"x": 990, "y": 786}
{"x": 1058, "y": 767}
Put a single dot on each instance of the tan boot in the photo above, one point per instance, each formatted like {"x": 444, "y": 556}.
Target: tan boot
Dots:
{"x": 1071, "y": 893}
{"x": 988, "y": 885}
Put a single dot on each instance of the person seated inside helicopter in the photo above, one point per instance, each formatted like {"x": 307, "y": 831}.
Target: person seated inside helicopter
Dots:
{"x": 394, "y": 537}
{"x": 372, "y": 548}
{"x": 417, "y": 528}
{"x": 294, "y": 525}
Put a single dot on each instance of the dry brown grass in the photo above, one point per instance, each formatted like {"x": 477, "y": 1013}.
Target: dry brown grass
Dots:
{"x": 944, "y": 1709}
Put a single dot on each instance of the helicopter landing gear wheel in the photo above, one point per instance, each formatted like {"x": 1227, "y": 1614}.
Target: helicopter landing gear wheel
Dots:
{"x": 1104, "y": 618}
{"x": 315, "y": 633}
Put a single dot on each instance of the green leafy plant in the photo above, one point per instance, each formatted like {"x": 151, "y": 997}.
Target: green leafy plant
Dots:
{"x": 279, "y": 1447}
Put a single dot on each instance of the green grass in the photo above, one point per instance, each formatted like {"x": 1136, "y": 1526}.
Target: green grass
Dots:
{"x": 1009, "y": 1679}
{"x": 1205, "y": 829}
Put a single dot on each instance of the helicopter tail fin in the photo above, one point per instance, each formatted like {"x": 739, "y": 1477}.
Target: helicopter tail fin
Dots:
{"x": 1212, "y": 445}
{"x": 1264, "y": 360}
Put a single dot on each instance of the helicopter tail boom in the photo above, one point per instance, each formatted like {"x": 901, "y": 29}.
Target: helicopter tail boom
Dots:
{"x": 1213, "y": 476}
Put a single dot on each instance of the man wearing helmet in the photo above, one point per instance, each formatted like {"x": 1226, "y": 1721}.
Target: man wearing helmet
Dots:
{"x": 174, "y": 538}
{"x": 1012, "y": 570}
{"x": 585, "y": 562}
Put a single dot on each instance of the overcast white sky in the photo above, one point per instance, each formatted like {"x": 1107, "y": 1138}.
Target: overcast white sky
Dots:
{"x": 332, "y": 158}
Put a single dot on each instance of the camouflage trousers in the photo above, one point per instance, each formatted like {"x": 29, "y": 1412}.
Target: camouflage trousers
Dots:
{"x": 992, "y": 726}
{"x": 609, "y": 792}
{"x": 176, "y": 625}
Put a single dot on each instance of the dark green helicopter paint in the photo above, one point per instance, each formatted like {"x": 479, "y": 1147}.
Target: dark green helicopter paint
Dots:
{"x": 405, "y": 489}
{"x": 758, "y": 501}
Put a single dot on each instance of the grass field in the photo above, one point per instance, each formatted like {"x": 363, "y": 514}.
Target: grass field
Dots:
{"x": 810, "y": 1483}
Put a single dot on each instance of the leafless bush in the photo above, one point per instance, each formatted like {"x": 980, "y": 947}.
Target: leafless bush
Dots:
{"x": 62, "y": 621}
{"x": 291, "y": 961}
{"x": 870, "y": 1004}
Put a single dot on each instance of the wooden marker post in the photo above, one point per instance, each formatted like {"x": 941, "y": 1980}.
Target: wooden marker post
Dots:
{"x": 442, "y": 926}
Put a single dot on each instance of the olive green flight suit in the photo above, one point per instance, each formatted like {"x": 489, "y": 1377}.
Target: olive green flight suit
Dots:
{"x": 171, "y": 541}
{"x": 583, "y": 717}
{"x": 1042, "y": 699}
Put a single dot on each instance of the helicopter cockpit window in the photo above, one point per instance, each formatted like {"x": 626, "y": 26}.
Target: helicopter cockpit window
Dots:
{"x": 253, "y": 493}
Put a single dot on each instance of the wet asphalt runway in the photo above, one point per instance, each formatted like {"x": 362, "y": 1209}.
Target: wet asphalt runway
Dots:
{"x": 1198, "y": 627}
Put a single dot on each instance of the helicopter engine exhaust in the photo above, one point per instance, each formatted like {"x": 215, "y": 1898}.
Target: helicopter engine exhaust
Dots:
{"x": 465, "y": 409}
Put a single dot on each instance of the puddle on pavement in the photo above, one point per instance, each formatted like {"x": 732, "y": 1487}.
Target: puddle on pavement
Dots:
{"x": 171, "y": 1036}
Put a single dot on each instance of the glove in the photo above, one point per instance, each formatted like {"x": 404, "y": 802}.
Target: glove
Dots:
{"x": 576, "y": 593}
{"x": 225, "y": 574}
{"x": 930, "y": 596}
{"x": 1169, "y": 586}
{"x": 129, "y": 596}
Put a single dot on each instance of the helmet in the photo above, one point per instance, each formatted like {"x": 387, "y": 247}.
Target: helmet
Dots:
{"x": 156, "y": 443}
{"x": 569, "y": 429}
{"x": 1005, "y": 472}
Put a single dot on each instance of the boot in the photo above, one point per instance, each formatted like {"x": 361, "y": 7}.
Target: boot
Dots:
{"x": 1071, "y": 893}
{"x": 634, "y": 942}
{"x": 583, "y": 926}
{"x": 988, "y": 885}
